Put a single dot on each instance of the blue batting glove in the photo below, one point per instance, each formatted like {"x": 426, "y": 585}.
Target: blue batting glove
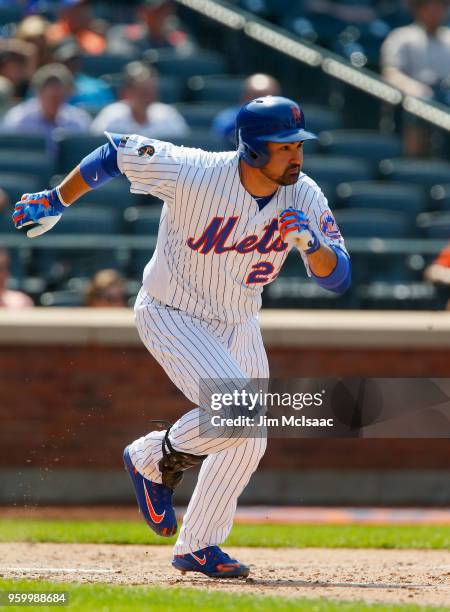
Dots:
{"x": 42, "y": 209}
{"x": 295, "y": 230}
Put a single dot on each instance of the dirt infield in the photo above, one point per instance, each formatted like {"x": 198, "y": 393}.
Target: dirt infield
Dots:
{"x": 385, "y": 576}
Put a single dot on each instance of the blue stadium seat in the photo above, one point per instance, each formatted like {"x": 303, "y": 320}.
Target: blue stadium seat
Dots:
{"x": 398, "y": 296}
{"x": 141, "y": 220}
{"x": 435, "y": 224}
{"x": 382, "y": 195}
{"x": 73, "y": 147}
{"x": 13, "y": 140}
{"x": 89, "y": 220}
{"x": 319, "y": 118}
{"x": 19, "y": 257}
{"x": 35, "y": 164}
{"x": 331, "y": 170}
{"x": 199, "y": 114}
{"x": 10, "y": 14}
{"x": 220, "y": 88}
{"x": 171, "y": 89}
{"x": 422, "y": 172}
{"x": 290, "y": 291}
{"x": 440, "y": 197}
{"x": 368, "y": 223}
{"x": 203, "y": 139}
{"x": 169, "y": 62}
{"x": 365, "y": 144}
{"x": 67, "y": 299}
{"x": 105, "y": 63}
{"x": 17, "y": 184}
{"x": 58, "y": 265}
{"x": 115, "y": 195}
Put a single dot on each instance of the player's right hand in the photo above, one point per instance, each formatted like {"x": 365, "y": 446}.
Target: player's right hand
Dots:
{"x": 42, "y": 210}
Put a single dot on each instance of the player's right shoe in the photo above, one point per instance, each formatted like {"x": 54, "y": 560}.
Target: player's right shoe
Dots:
{"x": 154, "y": 500}
{"x": 212, "y": 562}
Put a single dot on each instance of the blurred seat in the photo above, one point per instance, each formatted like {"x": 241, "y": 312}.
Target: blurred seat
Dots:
{"x": 398, "y": 296}
{"x": 435, "y": 224}
{"x": 423, "y": 172}
{"x": 326, "y": 27}
{"x": 168, "y": 61}
{"x": 61, "y": 298}
{"x": 105, "y": 63}
{"x": 10, "y": 14}
{"x": 440, "y": 197}
{"x": 382, "y": 195}
{"x": 319, "y": 118}
{"x": 331, "y": 170}
{"x": 199, "y": 114}
{"x": 376, "y": 223}
{"x": 114, "y": 195}
{"x": 220, "y": 88}
{"x": 290, "y": 291}
{"x": 13, "y": 140}
{"x": 366, "y": 144}
{"x": 58, "y": 265}
{"x": 141, "y": 220}
{"x": 18, "y": 259}
{"x": 294, "y": 289}
{"x": 89, "y": 219}
{"x": 35, "y": 164}
{"x": 203, "y": 139}
{"x": 17, "y": 184}
{"x": 61, "y": 263}
{"x": 73, "y": 147}
{"x": 171, "y": 88}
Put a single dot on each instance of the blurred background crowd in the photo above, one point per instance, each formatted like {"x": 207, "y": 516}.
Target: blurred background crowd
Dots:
{"x": 71, "y": 69}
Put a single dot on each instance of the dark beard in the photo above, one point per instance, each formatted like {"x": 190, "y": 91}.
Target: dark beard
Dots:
{"x": 286, "y": 178}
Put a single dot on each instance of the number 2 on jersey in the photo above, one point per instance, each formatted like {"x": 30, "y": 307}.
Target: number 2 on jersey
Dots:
{"x": 260, "y": 273}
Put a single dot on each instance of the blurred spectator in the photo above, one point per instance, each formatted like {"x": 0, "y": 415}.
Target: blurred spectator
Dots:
{"x": 88, "y": 90}
{"x": 416, "y": 59}
{"x": 438, "y": 272}
{"x": 106, "y": 290}
{"x": 158, "y": 28}
{"x": 33, "y": 29}
{"x": 76, "y": 22}
{"x": 255, "y": 86}
{"x": 139, "y": 111}
{"x": 48, "y": 111}
{"x": 8, "y": 298}
{"x": 17, "y": 63}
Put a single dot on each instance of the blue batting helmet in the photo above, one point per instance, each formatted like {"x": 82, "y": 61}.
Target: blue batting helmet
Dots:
{"x": 271, "y": 118}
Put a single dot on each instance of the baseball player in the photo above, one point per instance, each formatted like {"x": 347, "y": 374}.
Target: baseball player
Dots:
{"x": 227, "y": 224}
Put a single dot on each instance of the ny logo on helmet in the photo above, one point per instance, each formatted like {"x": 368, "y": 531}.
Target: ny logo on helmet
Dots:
{"x": 297, "y": 114}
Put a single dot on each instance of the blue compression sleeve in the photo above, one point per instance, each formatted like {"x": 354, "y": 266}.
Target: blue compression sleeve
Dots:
{"x": 100, "y": 166}
{"x": 340, "y": 278}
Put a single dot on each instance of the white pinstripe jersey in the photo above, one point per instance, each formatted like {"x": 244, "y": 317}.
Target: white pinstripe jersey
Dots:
{"x": 215, "y": 249}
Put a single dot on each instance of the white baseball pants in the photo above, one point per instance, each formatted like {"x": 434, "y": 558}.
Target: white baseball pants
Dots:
{"x": 190, "y": 349}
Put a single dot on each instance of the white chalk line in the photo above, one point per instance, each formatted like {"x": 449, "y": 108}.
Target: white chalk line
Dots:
{"x": 68, "y": 570}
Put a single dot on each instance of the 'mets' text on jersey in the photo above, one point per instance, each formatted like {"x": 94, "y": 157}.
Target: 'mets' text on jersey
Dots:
{"x": 216, "y": 249}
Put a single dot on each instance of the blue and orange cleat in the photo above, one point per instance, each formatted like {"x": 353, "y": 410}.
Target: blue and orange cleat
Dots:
{"x": 212, "y": 562}
{"x": 154, "y": 500}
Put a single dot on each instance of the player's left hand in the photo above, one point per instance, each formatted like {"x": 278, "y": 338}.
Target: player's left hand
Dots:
{"x": 295, "y": 230}
{"x": 42, "y": 210}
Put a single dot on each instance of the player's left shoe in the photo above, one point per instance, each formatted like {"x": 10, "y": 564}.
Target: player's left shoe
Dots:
{"x": 212, "y": 562}
{"x": 154, "y": 500}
